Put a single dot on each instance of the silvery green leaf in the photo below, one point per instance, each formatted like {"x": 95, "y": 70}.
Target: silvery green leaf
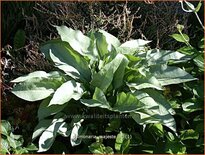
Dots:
{"x": 44, "y": 110}
{"x": 48, "y": 136}
{"x": 199, "y": 61}
{"x": 135, "y": 43}
{"x": 142, "y": 82}
{"x": 101, "y": 44}
{"x": 65, "y": 130}
{"x": 104, "y": 77}
{"x": 77, "y": 40}
{"x": 110, "y": 39}
{"x": 132, "y": 46}
{"x": 127, "y": 102}
{"x": 67, "y": 91}
{"x": 63, "y": 54}
{"x": 118, "y": 78}
{"x": 156, "y": 56}
{"x": 42, "y": 125}
{"x": 35, "y": 89}
{"x": 74, "y": 140}
{"x": 4, "y": 146}
{"x": 161, "y": 100}
{"x": 94, "y": 103}
{"x": 167, "y": 75}
{"x": 5, "y": 127}
{"x": 31, "y": 75}
{"x": 156, "y": 110}
{"x": 68, "y": 69}
{"x": 122, "y": 142}
{"x": 98, "y": 100}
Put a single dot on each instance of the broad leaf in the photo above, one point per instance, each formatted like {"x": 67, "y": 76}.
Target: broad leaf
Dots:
{"x": 66, "y": 59}
{"x": 155, "y": 111}
{"x": 135, "y": 43}
{"x": 130, "y": 47}
{"x": 77, "y": 40}
{"x": 99, "y": 148}
{"x": 101, "y": 44}
{"x": 16, "y": 137}
{"x": 39, "y": 74}
{"x": 4, "y": 146}
{"x": 65, "y": 130}
{"x": 156, "y": 129}
{"x": 110, "y": 39}
{"x": 119, "y": 74}
{"x": 67, "y": 91}
{"x": 93, "y": 55}
{"x": 96, "y": 148}
{"x": 109, "y": 150}
{"x": 31, "y": 147}
{"x": 94, "y": 103}
{"x": 99, "y": 95}
{"x": 127, "y": 103}
{"x": 5, "y": 127}
{"x": 48, "y": 136}
{"x": 35, "y": 89}
{"x": 68, "y": 69}
{"x": 133, "y": 60}
{"x": 157, "y": 56}
{"x": 160, "y": 99}
{"x": 75, "y": 133}
{"x": 122, "y": 142}
{"x": 99, "y": 100}
{"x": 141, "y": 82}
{"x": 45, "y": 110}
{"x": 154, "y": 116}
{"x": 199, "y": 61}
{"x": 105, "y": 76}
{"x": 14, "y": 143}
{"x": 180, "y": 38}
{"x": 42, "y": 126}
{"x": 170, "y": 75}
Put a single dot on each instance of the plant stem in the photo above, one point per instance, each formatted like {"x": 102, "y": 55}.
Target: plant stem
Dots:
{"x": 199, "y": 20}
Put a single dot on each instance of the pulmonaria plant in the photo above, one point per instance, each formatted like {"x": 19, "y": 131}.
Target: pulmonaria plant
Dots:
{"x": 97, "y": 71}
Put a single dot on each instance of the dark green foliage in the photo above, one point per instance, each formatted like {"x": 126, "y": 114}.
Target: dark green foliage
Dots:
{"x": 12, "y": 143}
